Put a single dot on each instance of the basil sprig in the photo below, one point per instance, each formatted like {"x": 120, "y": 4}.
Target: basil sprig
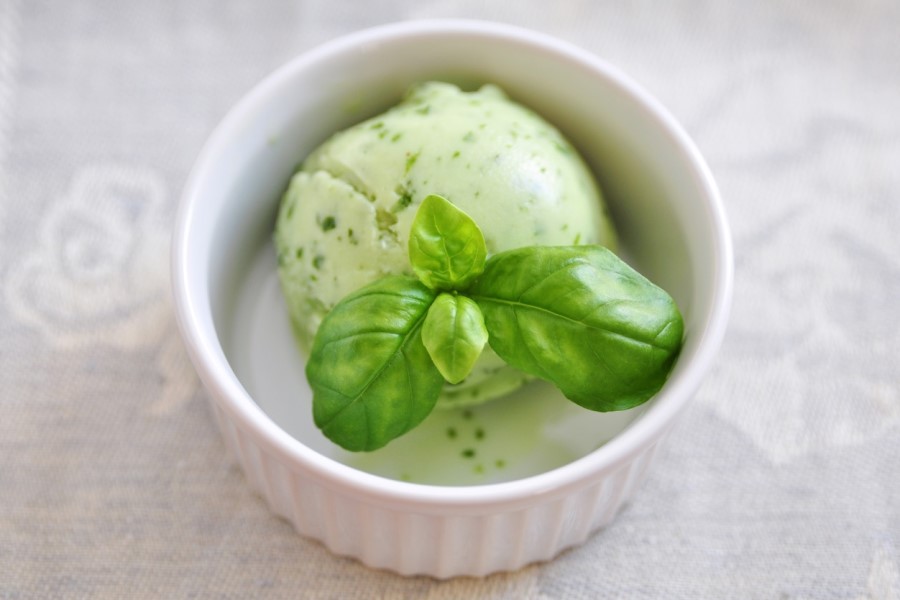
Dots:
{"x": 576, "y": 316}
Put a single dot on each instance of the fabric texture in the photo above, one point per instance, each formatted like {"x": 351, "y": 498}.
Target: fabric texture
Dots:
{"x": 780, "y": 481}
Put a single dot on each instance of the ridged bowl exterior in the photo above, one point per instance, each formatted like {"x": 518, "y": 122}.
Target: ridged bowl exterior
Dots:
{"x": 470, "y": 543}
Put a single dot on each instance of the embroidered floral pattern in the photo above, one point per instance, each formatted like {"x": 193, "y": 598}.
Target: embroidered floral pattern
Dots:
{"x": 98, "y": 274}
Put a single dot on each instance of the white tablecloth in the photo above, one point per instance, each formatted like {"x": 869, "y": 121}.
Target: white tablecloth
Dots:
{"x": 781, "y": 481}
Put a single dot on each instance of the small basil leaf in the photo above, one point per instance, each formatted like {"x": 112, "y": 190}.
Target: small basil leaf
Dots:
{"x": 454, "y": 335}
{"x": 446, "y": 247}
{"x": 371, "y": 376}
{"x": 582, "y": 319}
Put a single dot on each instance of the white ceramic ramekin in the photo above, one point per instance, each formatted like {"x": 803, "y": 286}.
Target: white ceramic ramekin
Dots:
{"x": 662, "y": 197}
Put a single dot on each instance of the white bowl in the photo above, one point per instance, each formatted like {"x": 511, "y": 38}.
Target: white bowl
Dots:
{"x": 461, "y": 522}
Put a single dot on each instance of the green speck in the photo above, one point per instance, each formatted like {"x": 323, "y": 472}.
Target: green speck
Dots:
{"x": 328, "y": 223}
{"x": 565, "y": 227}
{"x": 402, "y": 202}
{"x": 469, "y": 137}
{"x": 479, "y": 434}
{"x": 481, "y": 126}
{"x": 299, "y": 253}
{"x": 424, "y": 110}
{"x": 500, "y": 463}
{"x": 455, "y": 154}
{"x": 467, "y": 414}
{"x": 451, "y": 433}
{"x": 282, "y": 259}
{"x": 313, "y": 277}
{"x": 384, "y": 219}
{"x": 577, "y": 239}
{"x": 468, "y": 453}
{"x": 410, "y": 161}
{"x": 317, "y": 261}
{"x": 405, "y": 477}
{"x": 353, "y": 239}
{"x": 382, "y": 133}
{"x": 290, "y": 210}
{"x": 479, "y": 469}
{"x": 377, "y": 125}
{"x": 562, "y": 148}
{"x": 396, "y": 137}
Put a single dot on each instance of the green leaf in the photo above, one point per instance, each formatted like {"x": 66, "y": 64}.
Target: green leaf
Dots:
{"x": 454, "y": 335}
{"x": 582, "y": 319}
{"x": 371, "y": 376}
{"x": 446, "y": 247}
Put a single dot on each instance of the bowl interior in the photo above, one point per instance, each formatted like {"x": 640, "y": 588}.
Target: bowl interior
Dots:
{"x": 659, "y": 199}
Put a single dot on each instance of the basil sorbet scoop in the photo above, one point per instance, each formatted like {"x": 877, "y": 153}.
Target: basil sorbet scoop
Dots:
{"x": 345, "y": 219}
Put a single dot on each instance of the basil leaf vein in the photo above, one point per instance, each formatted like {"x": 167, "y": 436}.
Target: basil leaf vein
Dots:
{"x": 583, "y": 319}
{"x": 446, "y": 248}
{"x": 371, "y": 376}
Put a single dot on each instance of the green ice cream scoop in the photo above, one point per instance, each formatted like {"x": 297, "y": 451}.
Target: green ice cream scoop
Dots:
{"x": 345, "y": 218}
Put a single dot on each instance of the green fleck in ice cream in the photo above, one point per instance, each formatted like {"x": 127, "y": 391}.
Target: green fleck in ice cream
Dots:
{"x": 346, "y": 216}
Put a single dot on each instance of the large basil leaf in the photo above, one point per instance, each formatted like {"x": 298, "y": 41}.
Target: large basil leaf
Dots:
{"x": 582, "y": 319}
{"x": 446, "y": 247}
{"x": 371, "y": 376}
{"x": 454, "y": 335}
